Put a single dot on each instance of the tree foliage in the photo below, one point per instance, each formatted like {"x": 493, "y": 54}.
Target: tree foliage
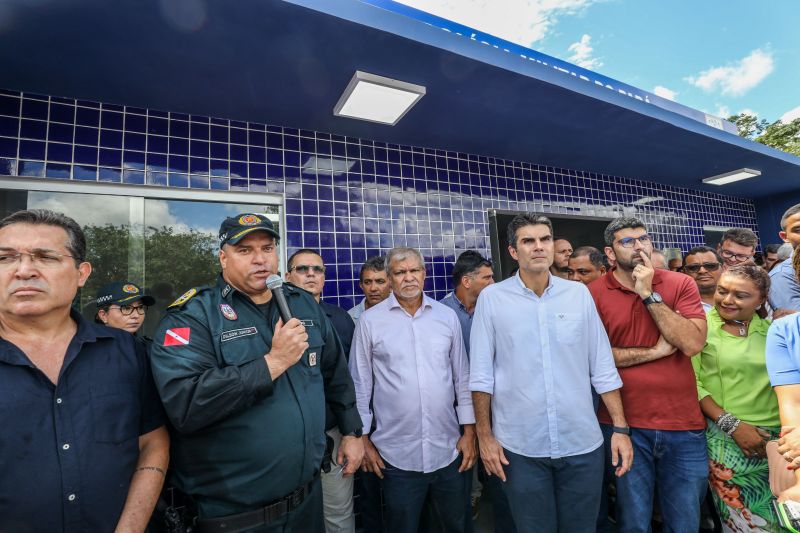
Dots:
{"x": 780, "y": 135}
{"x": 174, "y": 262}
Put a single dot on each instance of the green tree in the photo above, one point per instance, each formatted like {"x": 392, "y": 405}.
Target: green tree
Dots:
{"x": 779, "y": 135}
{"x": 782, "y": 136}
{"x": 174, "y": 262}
{"x": 749, "y": 126}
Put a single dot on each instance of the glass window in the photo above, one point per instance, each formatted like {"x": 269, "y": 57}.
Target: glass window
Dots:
{"x": 165, "y": 245}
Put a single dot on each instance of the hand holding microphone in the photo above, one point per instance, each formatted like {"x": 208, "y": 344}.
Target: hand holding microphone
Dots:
{"x": 290, "y": 339}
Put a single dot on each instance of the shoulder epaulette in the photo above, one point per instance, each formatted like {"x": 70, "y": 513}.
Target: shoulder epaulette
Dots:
{"x": 186, "y": 296}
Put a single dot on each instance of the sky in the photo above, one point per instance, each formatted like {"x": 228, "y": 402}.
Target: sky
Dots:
{"x": 722, "y": 57}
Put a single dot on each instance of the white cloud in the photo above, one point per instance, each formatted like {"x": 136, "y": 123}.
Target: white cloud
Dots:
{"x": 790, "y": 115}
{"x": 663, "y": 92}
{"x": 523, "y": 22}
{"x": 748, "y": 111}
{"x": 736, "y": 78}
{"x": 723, "y": 111}
{"x": 582, "y": 53}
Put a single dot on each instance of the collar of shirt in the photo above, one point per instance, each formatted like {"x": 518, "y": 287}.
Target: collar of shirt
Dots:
{"x": 757, "y": 324}
{"x": 87, "y": 332}
{"x": 452, "y": 296}
{"x": 613, "y": 283}
{"x": 551, "y": 282}
{"x": 426, "y": 303}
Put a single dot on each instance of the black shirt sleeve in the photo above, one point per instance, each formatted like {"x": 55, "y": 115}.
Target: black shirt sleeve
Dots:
{"x": 340, "y": 393}
{"x": 153, "y": 416}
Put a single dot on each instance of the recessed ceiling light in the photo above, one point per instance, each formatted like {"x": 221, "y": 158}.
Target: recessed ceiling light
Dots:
{"x": 377, "y": 99}
{"x": 730, "y": 177}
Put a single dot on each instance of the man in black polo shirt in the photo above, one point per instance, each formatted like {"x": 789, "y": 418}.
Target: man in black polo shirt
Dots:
{"x": 83, "y": 445}
{"x": 306, "y": 269}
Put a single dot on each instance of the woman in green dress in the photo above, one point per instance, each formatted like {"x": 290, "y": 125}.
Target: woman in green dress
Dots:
{"x": 736, "y": 396}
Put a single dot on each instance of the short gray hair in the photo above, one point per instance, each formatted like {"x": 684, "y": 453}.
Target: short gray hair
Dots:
{"x": 784, "y": 251}
{"x": 76, "y": 239}
{"x": 621, "y": 223}
{"x": 400, "y": 253}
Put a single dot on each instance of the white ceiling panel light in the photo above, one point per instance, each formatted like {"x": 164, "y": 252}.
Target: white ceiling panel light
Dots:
{"x": 377, "y": 99}
{"x": 730, "y": 177}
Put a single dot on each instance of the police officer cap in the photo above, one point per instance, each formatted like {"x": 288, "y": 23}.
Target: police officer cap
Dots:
{"x": 122, "y": 293}
{"x": 234, "y": 229}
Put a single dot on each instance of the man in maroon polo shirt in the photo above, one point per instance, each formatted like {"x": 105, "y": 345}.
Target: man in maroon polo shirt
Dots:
{"x": 655, "y": 322}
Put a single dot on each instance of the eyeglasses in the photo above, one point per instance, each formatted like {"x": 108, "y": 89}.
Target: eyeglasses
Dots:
{"x": 38, "y": 258}
{"x": 695, "y": 267}
{"x": 304, "y": 269}
{"x": 128, "y": 310}
{"x": 727, "y": 254}
{"x": 629, "y": 242}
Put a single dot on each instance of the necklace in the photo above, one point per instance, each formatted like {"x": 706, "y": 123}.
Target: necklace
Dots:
{"x": 742, "y": 326}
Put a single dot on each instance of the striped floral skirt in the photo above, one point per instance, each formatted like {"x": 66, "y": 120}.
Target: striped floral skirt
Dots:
{"x": 740, "y": 485}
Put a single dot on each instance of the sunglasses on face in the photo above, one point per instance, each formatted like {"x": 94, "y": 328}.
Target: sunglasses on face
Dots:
{"x": 695, "y": 268}
{"x": 304, "y": 269}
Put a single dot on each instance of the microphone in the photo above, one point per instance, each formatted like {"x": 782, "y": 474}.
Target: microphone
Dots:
{"x": 275, "y": 284}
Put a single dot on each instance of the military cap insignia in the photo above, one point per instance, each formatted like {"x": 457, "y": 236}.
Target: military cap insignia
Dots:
{"x": 182, "y": 299}
{"x": 249, "y": 220}
{"x": 130, "y": 289}
{"x": 228, "y": 312}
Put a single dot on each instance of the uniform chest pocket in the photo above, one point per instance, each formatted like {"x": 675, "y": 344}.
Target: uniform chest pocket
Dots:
{"x": 115, "y": 412}
{"x": 242, "y": 345}
{"x": 569, "y": 327}
{"x": 311, "y": 360}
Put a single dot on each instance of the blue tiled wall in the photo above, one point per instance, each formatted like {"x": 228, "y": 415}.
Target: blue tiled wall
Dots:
{"x": 351, "y": 198}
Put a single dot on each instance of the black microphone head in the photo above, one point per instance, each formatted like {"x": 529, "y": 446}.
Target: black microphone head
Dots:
{"x": 274, "y": 282}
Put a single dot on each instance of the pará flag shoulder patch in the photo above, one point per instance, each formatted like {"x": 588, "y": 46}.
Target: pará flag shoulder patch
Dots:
{"x": 177, "y": 337}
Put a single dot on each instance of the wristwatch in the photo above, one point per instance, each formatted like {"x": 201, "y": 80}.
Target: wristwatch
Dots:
{"x": 654, "y": 298}
{"x": 625, "y": 430}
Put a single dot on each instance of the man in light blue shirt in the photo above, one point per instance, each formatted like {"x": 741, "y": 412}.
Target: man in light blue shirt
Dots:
{"x": 784, "y": 292}
{"x": 471, "y": 274}
{"x": 374, "y": 283}
{"x": 537, "y": 348}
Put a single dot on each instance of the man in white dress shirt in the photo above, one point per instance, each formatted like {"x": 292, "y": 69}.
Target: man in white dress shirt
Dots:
{"x": 411, "y": 373}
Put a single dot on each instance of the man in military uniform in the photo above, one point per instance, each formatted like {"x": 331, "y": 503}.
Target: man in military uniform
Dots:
{"x": 246, "y": 393}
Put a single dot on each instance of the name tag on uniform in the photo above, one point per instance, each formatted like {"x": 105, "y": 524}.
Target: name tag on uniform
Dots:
{"x": 237, "y": 333}
{"x": 307, "y": 323}
{"x": 312, "y": 358}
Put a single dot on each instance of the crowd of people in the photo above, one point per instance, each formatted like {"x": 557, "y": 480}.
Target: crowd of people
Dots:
{"x": 589, "y": 391}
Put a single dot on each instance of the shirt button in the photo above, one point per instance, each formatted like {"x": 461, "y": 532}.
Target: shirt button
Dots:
{"x": 71, "y": 497}
{"x": 58, "y": 400}
{"x": 65, "y": 447}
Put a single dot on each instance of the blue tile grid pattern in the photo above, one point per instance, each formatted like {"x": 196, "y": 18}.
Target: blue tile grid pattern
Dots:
{"x": 350, "y": 198}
